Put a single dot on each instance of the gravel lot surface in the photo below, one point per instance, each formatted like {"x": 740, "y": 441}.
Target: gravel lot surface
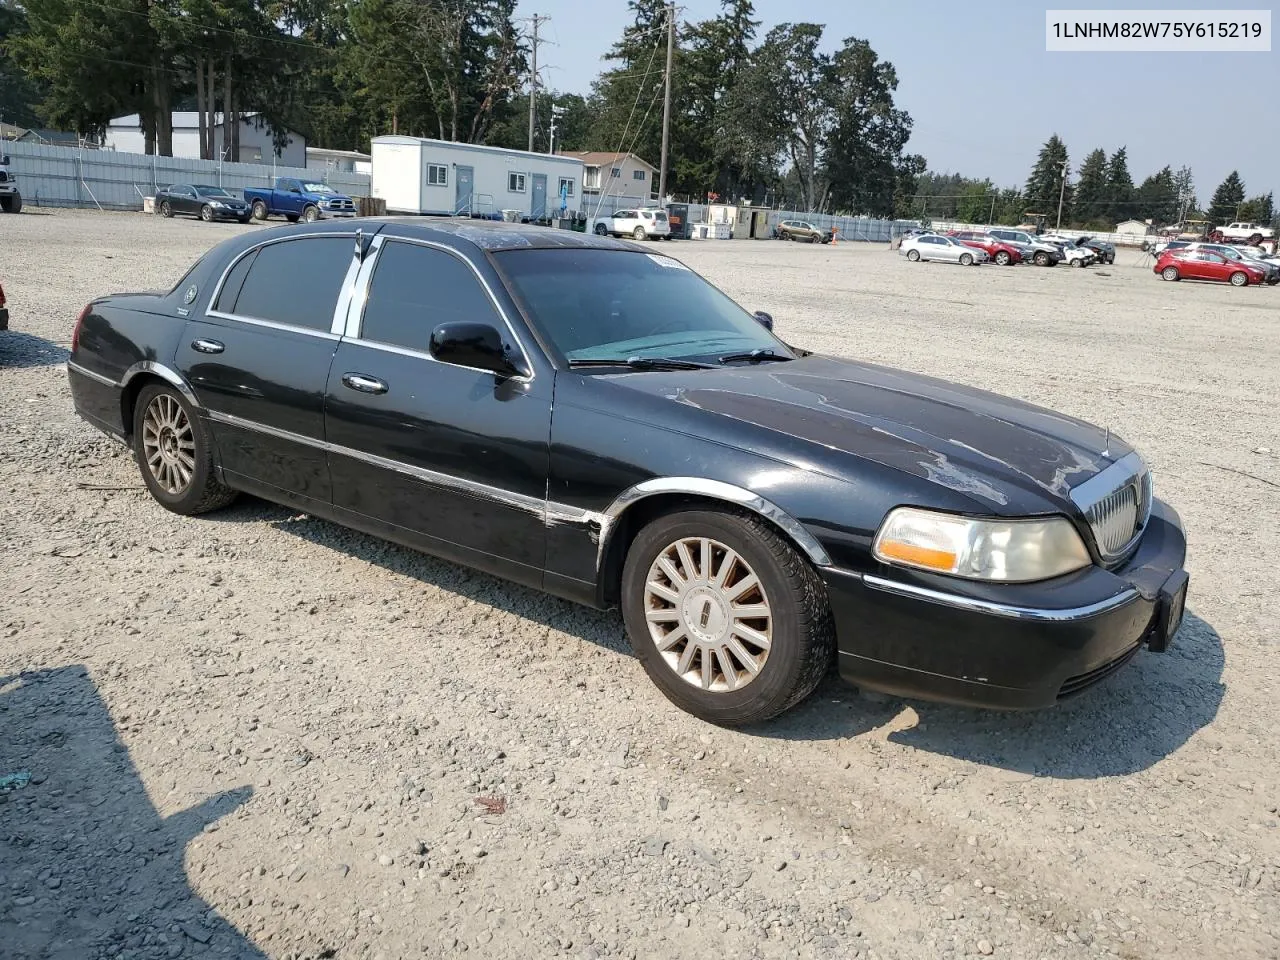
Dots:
{"x": 255, "y": 734}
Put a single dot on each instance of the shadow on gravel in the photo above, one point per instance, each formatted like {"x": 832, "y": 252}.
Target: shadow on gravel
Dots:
{"x": 601, "y": 628}
{"x": 91, "y": 870}
{"x": 18, "y": 349}
{"x": 1127, "y": 723}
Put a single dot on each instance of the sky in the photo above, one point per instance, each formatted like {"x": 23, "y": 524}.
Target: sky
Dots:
{"x": 984, "y": 94}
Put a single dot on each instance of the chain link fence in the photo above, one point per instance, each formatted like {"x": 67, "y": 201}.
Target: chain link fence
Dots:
{"x": 110, "y": 180}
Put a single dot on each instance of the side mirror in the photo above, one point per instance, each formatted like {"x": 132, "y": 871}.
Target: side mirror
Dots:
{"x": 478, "y": 345}
{"x": 764, "y": 319}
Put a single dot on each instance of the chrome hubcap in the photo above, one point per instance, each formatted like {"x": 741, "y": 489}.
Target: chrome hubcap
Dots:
{"x": 168, "y": 445}
{"x": 708, "y": 614}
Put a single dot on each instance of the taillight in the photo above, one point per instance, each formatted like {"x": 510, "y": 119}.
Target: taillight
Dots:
{"x": 75, "y": 333}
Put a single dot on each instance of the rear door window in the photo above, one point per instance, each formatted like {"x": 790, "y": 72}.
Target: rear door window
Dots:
{"x": 295, "y": 282}
{"x": 413, "y": 289}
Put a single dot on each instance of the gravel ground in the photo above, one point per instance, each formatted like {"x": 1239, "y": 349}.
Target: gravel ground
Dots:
{"x": 256, "y": 734}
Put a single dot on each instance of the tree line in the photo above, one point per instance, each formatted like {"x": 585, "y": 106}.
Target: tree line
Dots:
{"x": 1097, "y": 195}
{"x": 771, "y": 118}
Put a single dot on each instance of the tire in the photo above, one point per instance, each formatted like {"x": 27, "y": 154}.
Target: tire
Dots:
{"x": 1002, "y": 258}
{"x": 797, "y": 616}
{"x": 11, "y": 203}
{"x": 1170, "y": 273}
{"x": 1078, "y": 262}
{"x": 206, "y": 213}
{"x": 259, "y": 210}
{"x": 291, "y": 217}
{"x": 1041, "y": 259}
{"x": 601, "y": 230}
{"x": 184, "y": 484}
{"x": 1239, "y": 279}
{"x": 966, "y": 259}
{"x": 244, "y": 219}
{"x": 812, "y": 239}
{"x": 913, "y": 256}
{"x": 310, "y": 213}
{"x": 1256, "y": 240}
{"x": 637, "y": 233}
{"x": 166, "y": 209}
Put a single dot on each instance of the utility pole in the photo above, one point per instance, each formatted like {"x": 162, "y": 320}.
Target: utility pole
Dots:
{"x": 666, "y": 102}
{"x": 1062, "y": 193}
{"x": 533, "y": 79}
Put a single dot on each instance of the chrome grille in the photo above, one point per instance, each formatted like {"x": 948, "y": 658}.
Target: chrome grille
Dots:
{"x": 1117, "y": 505}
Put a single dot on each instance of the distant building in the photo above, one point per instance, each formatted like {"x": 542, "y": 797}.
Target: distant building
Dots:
{"x": 57, "y": 138}
{"x": 621, "y": 175}
{"x": 256, "y": 145}
{"x": 337, "y": 161}
{"x": 1134, "y": 228}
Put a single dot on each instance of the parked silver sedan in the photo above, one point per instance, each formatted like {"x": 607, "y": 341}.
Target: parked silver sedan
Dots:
{"x": 932, "y": 246}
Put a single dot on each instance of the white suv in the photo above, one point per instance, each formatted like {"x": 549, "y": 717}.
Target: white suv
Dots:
{"x": 637, "y": 224}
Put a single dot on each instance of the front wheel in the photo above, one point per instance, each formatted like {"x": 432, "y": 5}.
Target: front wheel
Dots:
{"x": 206, "y": 213}
{"x": 1239, "y": 279}
{"x": 638, "y": 233}
{"x": 1170, "y": 273}
{"x": 966, "y": 259}
{"x": 913, "y": 256}
{"x": 259, "y": 210}
{"x": 1078, "y": 262}
{"x": 727, "y": 619}
{"x": 11, "y": 203}
{"x": 311, "y": 214}
{"x": 1002, "y": 258}
{"x": 166, "y": 209}
{"x": 1041, "y": 259}
{"x": 175, "y": 454}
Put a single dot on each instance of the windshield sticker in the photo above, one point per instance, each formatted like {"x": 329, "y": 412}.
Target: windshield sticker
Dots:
{"x": 662, "y": 261}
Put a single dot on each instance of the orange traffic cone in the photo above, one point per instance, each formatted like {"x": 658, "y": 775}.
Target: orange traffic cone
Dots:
{"x": 834, "y": 233}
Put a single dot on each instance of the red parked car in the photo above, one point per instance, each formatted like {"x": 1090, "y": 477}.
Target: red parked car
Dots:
{"x": 4, "y": 312}
{"x": 1200, "y": 264}
{"x": 1000, "y": 252}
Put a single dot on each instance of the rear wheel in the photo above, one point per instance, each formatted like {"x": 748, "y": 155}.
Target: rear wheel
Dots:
{"x": 1256, "y": 239}
{"x": 1171, "y": 273}
{"x": 259, "y": 210}
{"x": 1239, "y": 279}
{"x": 166, "y": 208}
{"x": 913, "y": 256}
{"x": 175, "y": 454}
{"x": 1002, "y": 258}
{"x": 727, "y": 619}
{"x": 601, "y": 230}
{"x": 966, "y": 259}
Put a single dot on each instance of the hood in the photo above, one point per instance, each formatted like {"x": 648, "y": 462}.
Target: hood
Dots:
{"x": 1007, "y": 455}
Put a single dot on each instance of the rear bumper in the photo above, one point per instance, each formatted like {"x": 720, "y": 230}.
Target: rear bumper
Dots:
{"x": 1022, "y": 646}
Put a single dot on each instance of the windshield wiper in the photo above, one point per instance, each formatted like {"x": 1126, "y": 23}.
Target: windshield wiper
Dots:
{"x": 643, "y": 363}
{"x": 755, "y": 356}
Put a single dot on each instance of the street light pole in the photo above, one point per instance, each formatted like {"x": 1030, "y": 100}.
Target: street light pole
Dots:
{"x": 1062, "y": 192}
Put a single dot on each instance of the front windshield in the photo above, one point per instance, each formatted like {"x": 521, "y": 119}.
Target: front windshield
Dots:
{"x": 614, "y": 305}
{"x": 317, "y": 188}
{"x": 211, "y": 191}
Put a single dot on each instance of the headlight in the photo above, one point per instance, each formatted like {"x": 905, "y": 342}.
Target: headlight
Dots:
{"x": 1011, "y": 551}
{"x": 216, "y": 203}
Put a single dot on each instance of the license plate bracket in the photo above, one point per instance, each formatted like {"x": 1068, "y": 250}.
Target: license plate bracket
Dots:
{"x": 1170, "y": 609}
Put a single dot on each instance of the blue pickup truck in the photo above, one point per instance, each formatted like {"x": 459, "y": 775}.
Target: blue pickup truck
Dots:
{"x": 306, "y": 200}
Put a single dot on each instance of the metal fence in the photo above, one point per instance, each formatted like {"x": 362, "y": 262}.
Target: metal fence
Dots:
{"x": 110, "y": 180}
{"x": 1119, "y": 239}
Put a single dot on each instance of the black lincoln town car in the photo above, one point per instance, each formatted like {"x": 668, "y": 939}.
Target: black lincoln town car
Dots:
{"x": 589, "y": 418}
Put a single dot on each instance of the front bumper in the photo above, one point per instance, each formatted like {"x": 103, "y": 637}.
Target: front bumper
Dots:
{"x": 4, "y": 318}
{"x": 340, "y": 214}
{"x": 1010, "y": 646}
{"x": 227, "y": 213}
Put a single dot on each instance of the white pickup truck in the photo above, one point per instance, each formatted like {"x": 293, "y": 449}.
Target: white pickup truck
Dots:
{"x": 1242, "y": 232}
{"x": 10, "y": 198}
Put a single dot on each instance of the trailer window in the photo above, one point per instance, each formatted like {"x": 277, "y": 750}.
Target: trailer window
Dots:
{"x": 566, "y": 186}
{"x": 437, "y": 175}
{"x": 515, "y": 183}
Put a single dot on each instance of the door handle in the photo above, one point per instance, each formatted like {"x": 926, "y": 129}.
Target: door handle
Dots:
{"x": 363, "y": 383}
{"x": 207, "y": 346}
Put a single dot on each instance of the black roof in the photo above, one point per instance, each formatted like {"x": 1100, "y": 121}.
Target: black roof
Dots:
{"x": 491, "y": 234}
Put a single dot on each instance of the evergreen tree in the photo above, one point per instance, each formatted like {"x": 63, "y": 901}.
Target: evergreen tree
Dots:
{"x": 1157, "y": 198}
{"x": 1045, "y": 183}
{"x": 1226, "y": 200}
{"x": 1091, "y": 189}
{"x": 1119, "y": 194}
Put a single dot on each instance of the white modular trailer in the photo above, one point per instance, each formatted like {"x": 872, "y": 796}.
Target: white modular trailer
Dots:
{"x": 442, "y": 178}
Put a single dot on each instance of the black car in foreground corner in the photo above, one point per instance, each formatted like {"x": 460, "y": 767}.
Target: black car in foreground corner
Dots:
{"x": 203, "y": 201}
{"x": 583, "y": 416}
